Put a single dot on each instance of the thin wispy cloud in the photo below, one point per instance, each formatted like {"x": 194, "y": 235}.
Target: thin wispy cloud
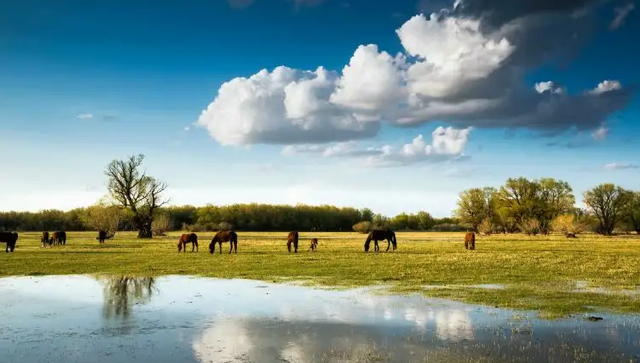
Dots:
{"x": 85, "y": 116}
{"x": 620, "y": 166}
{"x": 622, "y": 12}
{"x": 601, "y": 133}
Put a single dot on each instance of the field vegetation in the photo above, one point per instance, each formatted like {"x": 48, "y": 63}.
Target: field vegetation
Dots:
{"x": 551, "y": 274}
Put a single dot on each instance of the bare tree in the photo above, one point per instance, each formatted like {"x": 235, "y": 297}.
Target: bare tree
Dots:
{"x": 131, "y": 188}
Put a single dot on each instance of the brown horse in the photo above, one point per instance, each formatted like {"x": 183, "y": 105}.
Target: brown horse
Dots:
{"x": 188, "y": 238}
{"x": 59, "y": 237}
{"x": 292, "y": 238}
{"x": 224, "y": 236}
{"x": 470, "y": 241}
{"x": 10, "y": 238}
{"x": 380, "y": 235}
{"x": 103, "y": 235}
{"x": 314, "y": 245}
{"x": 44, "y": 239}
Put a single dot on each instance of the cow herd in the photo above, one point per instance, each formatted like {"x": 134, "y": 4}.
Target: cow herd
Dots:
{"x": 60, "y": 238}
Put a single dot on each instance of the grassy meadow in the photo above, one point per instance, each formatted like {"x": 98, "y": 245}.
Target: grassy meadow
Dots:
{"x": 538, "y": 272}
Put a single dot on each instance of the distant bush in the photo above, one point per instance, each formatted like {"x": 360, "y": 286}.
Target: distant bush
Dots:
{"x": 568, "y": 225}
{"x": 485, "y": 227}
{"x": 160, "y": 225}
{"x": 530, "y": 226}
{"x": 224, "y": 226}
{"x": 363, "y": 227}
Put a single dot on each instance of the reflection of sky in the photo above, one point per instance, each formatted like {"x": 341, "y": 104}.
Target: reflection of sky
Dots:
{"x": 203, "y": 320}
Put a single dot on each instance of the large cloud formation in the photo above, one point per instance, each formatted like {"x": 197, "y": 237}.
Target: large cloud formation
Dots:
{"x": 465, "y": 65}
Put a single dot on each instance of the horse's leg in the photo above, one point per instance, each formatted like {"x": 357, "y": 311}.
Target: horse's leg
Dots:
{"x": 220, "y": 245}
{"x": 295, "y": 245}
{"x": 196, "y": 242}
{"x": 388, "y": 244}
{"x": 289, "y": 246}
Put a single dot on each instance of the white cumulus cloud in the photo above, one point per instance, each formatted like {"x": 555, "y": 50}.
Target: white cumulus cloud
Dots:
{"x": 285, "y": 106}
{"x": 452, "y": 51}
{"x": 549, "y": 86}
{"x": 606, "y": 86}
{"x": 447, "y": 143}
{"x": 372, "y": 81}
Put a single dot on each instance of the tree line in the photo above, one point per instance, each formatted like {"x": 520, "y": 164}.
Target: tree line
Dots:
{"x": 244, "y": 217}
{"x": 545, "y": 205}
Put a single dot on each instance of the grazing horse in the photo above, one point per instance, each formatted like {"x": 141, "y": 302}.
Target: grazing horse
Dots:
{"x": 224, "y": 236}
{"x": 314, "y": 245}
{"x": 103, "y": 235}
{"x": 470, "y": 241}
{"x": 59, "y": 237}
{"x": 188, "y": 238}
{"x": 292, "y": 238}
{"x": 10, "y": 238}
{"x": 44, "y": 240}
{"x": 380, "y": 235}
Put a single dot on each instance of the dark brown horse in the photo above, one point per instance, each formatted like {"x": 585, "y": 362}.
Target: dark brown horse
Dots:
{"x": 380, "y": 235}
{"x": 188, "y": 238}
{"x": 470, "y": 241}
{"x": 292, "y": 238}
{"x": 314, "y": 245}
{"x": 59, "y": 237}
{"x": 10, "y": 238}
{"x": 103, "y": 235}
{"x": 224, "y": 236}
{"x": 44, "y": 239}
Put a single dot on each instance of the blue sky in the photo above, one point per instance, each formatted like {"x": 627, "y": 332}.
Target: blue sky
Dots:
{"x": 84, "y": 83}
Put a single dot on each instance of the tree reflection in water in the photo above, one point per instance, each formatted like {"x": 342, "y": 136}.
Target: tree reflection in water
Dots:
{"x": 121, "y": 293}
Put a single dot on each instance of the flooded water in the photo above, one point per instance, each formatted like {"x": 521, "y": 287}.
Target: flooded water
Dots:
{"x": 183, "y": 319}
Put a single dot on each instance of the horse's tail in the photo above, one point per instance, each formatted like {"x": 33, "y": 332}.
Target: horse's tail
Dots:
{"x": 394, "y": 241}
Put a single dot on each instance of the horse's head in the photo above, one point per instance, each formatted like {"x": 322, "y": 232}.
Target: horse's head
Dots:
{"x": 179, "y": 246}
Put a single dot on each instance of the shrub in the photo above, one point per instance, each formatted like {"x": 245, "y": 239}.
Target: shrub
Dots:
{"x": 485, "y": 227}
{"x": 161, "y": 225}
{"x": 363, "y": 227}
{"x": 530, "y": 226}
{"x": 568, "y": 225}
{"x": 224, "y": 226}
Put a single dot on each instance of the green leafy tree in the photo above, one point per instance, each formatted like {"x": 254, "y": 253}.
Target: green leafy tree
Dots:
{"x": 425, "y": 220}
{"x": 474, "y": 206}
{"x": 608, "y": 203}
{"x": 555, "y": 198}
{"x": 632, "y": 212}
{"x": 519, "y": 200}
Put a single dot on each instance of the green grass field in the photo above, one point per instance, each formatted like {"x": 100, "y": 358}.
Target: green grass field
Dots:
{"x": 538, "y": 272}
